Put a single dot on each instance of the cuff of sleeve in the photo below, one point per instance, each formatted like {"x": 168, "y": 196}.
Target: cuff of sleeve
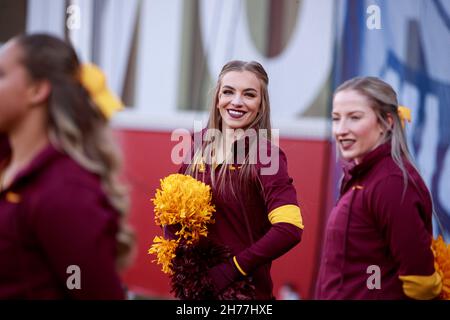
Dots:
{"x": 422, "y": 287}
{"x": 239, "y": 267}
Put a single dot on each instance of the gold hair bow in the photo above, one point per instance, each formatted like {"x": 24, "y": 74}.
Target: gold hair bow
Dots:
{"x": 405, "y": 114}
{"x": 94, "y": 80}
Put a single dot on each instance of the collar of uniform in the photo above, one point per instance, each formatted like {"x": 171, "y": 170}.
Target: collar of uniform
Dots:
{"x": 250, "y": 136}
{"x": 5, "y": 150}
{"x": 41, "y": 160}
{"x": 370, "y": 159}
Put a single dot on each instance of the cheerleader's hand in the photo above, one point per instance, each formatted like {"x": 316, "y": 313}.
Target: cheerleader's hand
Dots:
{"x": 223, "y": 275}
{"x": 170, "y": 230}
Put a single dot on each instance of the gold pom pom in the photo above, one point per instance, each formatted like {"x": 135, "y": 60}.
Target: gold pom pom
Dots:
{"x": 184, "y": 201}
{"x": 441, "y": 252}
{"x": 165, "y": 252}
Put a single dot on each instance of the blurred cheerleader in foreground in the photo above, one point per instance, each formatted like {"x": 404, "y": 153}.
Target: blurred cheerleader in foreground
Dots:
{"x": 61, "y": 207}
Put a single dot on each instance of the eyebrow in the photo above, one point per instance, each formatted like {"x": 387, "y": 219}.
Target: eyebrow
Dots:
{"x": 349, "y": 113}
{"x": 245, "y": 90}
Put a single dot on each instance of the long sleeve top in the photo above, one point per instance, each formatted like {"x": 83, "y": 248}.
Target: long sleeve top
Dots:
{"x": 57, "y": 233}
{"x": 259, "y": 224}
{"x": 378, "y": 236}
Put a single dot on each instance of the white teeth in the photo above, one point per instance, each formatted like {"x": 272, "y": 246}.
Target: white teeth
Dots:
{"x": 346, "y": 143}
{"x": 236, "y": 113}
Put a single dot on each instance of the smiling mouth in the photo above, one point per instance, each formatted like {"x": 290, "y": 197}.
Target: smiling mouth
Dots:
{"x": 235, "y": 114}
{"x": 346, "y": 143}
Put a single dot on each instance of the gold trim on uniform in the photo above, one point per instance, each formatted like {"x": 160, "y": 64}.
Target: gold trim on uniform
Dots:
{"x": 238, "y": 266}
{"x": 13, "y": 197}
{"x": 422, "y": 287}
{"x": 288, "y": 213}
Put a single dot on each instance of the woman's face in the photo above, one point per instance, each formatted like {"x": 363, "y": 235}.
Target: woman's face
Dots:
{"x": 14, "y": 86}
{"x": 239, "y": 99}
{"x": 355, "y": 125}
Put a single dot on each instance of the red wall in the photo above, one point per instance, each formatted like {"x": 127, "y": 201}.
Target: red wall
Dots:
{"x": 147, "y": 159}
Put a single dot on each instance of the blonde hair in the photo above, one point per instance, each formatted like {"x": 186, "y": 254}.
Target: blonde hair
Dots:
{"x": 247, "y": 173}
{"x": 76, "y": 125}
{"x": 383, "y": 101}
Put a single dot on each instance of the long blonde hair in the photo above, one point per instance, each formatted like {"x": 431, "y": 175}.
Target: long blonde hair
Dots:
{"x": 247, "y": 173}
{"x": 76, "y": 124}
{"x": 383, "y": 101}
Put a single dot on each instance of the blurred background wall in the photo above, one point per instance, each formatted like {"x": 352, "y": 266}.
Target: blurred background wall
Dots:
{"x": 163, "y": 56}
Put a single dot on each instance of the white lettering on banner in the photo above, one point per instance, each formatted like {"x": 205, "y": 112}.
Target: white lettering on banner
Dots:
{"x": 307, "y": 59}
